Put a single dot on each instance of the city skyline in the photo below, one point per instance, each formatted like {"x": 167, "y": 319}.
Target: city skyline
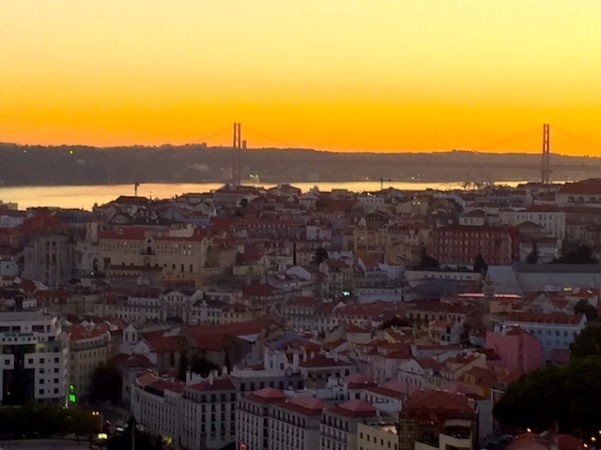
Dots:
{"x": 338, "y": 76}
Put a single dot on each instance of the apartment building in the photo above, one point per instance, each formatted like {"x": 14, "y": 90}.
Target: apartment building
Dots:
{"x": 209, "y": 413}
{"x": 555, "y": 331}
{"x": 377, "y": 437}
{"x": 89, "y": 347}
{"x": 459, "y": 244}
{"x": 33, "y": 359}
{"x": 339, "y": 424}
{"x": 253, "y": 429}
{"x": 295, "y": 423}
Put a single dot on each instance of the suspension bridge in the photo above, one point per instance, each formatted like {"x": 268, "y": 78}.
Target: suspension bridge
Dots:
{"x": 545, "y": 166}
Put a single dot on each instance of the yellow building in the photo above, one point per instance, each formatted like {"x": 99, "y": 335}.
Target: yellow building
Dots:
{"x": 377, "y": 437}
{"x": 181, "y": 254}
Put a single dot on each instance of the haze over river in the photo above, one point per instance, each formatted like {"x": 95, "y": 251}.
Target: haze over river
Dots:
{"x": 86, "y": 196}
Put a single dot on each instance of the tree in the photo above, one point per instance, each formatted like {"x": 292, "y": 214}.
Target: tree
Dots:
{"x": 394, "y": 322}
{"x": 320, "y": 255}
{"x": 582, "y": 254}
{"x": 534, "y": 255}
{"x": 587, "y": 343}
{"x": 182, "y": 364}
{"x": 561, "y": 395}
{"x": 202, "y": 366}
{"x": 228, "y": 343}
{"x": 106, "y": 384}
{"x": 144, "y": 440}
{"x": 426, "y": 262}
{"x": 479, "y": 264}
{"x": 584, "y": 307}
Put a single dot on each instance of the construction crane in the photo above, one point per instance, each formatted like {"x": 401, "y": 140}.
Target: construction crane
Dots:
{"x": 136, "y": 184}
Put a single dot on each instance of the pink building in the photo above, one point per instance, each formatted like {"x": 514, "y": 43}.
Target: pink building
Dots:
{"x": 519, "y": 351}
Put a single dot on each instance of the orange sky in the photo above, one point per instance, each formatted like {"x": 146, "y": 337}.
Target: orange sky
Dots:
{"x": 340, "y": 75}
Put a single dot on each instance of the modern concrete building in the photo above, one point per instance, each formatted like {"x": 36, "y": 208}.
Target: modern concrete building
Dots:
{"x": 33, "y": 359}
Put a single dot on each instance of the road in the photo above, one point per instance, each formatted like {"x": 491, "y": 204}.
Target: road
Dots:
{"x": 43, "y": 444}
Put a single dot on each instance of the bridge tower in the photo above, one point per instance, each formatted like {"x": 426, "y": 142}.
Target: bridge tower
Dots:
{"x": 236, "y": 154}
{"x": 546, "y": 162}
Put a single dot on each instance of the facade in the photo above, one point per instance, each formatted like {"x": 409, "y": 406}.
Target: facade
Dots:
{"x": 180, "y": 256}
{"x": 339, "y": 424}
{"x": 88, "y": 349}
{"x": 252, "y": 418}
{"x": 377, "y": 437}
{"x": 50, "y": 259}
{"x": 33, "y": 359}
{"x": 520, "y": 351}
{"x": 555, "y": 331}
{"x": 294, "y": 424}
{"x": 457, "y": 244}
{"x": 209, "y": 414}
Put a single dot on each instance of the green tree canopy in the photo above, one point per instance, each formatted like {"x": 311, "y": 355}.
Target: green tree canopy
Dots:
{"x": 582, "y": 254}
{"x": 106, "y": 384}
{"x": 202, "y": 366}
{"x": 427, "y": 262}
{"x": 584, "y": 307}
{"x": 479, "y": 264}
{"x": 320, "y": 255}
{"x": 562, "y": 395}
{"x": 395, "y": 321}
{"x": 534, "y": 255}
{"x": 46, "y": 420}
{"x": 587, "y": 343}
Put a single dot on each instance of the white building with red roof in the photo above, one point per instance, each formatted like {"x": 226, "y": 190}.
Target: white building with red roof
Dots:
{"x": 294, "y": 424}
{"x": 252, "y": 418}
{"x": 555, "y": 331}
{"x": 339, "y": 424}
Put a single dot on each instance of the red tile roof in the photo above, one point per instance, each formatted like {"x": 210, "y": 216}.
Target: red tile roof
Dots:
{"x": 305, "y": 405}
{"x": 160, "y": 343}
{"x": 438, "y": 400}
{"x": 358, "y": 380}
{"x": 555, "y": 318}
{"x": 323, "y": 361}
{"x": 218, "y": 384}
{"x": 266, "y": 395}
{"x": 165, "y": 385}
{"x": 354, "y": 409}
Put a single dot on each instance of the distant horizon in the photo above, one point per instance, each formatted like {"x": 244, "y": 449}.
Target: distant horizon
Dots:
{"x": 346, "y": 152}
{"x": 386, "y": 76}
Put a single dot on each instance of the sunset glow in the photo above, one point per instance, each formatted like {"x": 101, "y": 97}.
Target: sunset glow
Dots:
{"x": 342, "y": 75}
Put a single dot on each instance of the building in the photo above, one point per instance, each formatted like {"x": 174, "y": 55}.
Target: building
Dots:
{"x": 460, "y": 244}
{"x": 377, "y": 437}
{"x": 50, "y": 258}
{"x": 181, "y": 254}
{"x": 294, "y": 424}
{"x": 582, "y": 193}
{"x": 555, "y": 331}
{"x": 89, "y": 349}
{"x": 339, "y": 424}
{"x": 209, "y": 414}
{"x": 252, "y": 418}
{"x": 438, "y": 420}
{"x": 520, "y": 351}
{"x": 33, "y": 359}
{"x": 156, "y": 404}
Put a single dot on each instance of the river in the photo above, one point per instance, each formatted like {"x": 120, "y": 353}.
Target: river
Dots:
{"x": 86, "y": 196}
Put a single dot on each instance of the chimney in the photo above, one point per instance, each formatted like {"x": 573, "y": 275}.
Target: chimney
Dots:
{"x": 211, "y": 378}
